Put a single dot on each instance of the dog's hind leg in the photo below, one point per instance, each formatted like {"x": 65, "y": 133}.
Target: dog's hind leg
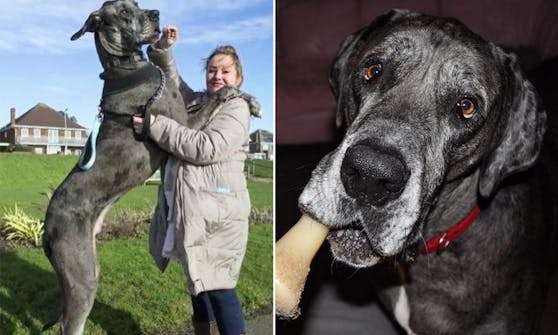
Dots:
{"x": 69, "y": 248}
{"x": 70, "y": 245}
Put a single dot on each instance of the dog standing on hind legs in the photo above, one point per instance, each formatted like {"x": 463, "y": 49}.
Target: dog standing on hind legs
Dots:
{"x": 77, "y": 207}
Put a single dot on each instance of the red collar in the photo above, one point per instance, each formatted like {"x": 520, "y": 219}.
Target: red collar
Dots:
{"x": 441, "y": 241}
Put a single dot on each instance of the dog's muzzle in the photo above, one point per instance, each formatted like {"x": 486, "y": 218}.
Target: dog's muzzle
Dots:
{"x": 373, "y": 175}
{"x": 153, "y": 15}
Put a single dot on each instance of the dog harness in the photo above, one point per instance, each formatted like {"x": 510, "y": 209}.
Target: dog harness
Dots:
{"x": 439, "y": 242}
{"x": 123, "y": 60}
{"x": 111, "y": 87}
{"x": 87, "y": 158}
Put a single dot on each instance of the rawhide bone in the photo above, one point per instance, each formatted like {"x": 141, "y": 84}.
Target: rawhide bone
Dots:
{"x": 293, "y": 254}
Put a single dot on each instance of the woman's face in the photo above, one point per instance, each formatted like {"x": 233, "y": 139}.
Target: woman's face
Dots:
{"x": 221, "y": 71}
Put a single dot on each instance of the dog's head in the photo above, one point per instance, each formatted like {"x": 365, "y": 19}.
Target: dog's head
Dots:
{"x": 121, "y": 27}
{"x": 426, "y": 102}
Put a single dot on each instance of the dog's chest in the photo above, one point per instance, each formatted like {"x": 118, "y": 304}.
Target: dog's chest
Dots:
{"x": 401, "y": 309}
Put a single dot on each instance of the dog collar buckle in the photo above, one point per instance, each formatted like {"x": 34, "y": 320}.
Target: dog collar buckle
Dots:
{"x": 440, "y": 242}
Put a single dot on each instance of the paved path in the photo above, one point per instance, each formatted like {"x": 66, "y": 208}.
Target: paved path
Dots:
{"x": 261, "y": 324}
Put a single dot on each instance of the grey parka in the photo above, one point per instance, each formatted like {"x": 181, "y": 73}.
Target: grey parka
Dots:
{"x": 203, "y": 197}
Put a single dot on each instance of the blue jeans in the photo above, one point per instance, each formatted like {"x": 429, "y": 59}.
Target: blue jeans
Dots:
{"x": 222, "y": 306}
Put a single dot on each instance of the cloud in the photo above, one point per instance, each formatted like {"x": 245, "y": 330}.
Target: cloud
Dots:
{"x": 17, "y": 13}
{"x": 33, "y": 38}
{"x": 177, "y": 9}
{"x": 38, "y": 26}
{"x": 34, "y": 26}
{"x": 252, "y": 29}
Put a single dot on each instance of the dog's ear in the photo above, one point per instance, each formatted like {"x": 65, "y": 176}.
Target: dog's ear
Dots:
{"x": 340, "y": 74}
{"x": 345, "y": 109}
{"x": 523, "y": 121}
{"x": 92, "y": 23}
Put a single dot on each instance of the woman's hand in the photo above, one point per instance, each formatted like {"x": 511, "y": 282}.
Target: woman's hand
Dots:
{"x": 137, "y": 122}
{"x": 170, "y": 35}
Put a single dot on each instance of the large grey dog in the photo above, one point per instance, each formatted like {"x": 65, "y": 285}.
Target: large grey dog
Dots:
{"x": 77, "y": 207}
{"x": 440, "y": 123}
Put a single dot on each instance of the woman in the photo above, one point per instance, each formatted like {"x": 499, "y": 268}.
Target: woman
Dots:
{"x": 202, "y": 215}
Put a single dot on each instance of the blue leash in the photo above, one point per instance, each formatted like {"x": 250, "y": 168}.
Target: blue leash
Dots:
{"x": 88, "y": 156}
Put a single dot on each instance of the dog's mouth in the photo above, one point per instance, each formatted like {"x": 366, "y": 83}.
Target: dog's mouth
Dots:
{"x": 153, "y": 34}
{"x": 352, "y": 245}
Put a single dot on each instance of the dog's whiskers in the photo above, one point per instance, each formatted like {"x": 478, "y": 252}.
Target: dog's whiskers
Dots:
{"x": 423, "y": 240}
{"x": 309, "y": 166}
{"x": 295, "y": 188}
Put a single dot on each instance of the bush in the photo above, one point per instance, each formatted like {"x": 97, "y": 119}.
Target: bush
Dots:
{"x": 18, "y": 226}
{"x": 261, "y": 215}
{"x": 17, "y": 148}
{"x": 129, "y": 223}
{"x": 126, "y": 223}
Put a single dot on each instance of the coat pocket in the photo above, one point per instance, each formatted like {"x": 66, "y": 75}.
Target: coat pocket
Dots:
{"x": 223, "y": 206}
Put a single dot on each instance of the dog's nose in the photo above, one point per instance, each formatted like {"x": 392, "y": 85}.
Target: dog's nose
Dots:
{"x": 153, "y": 14}
{"x": 373, "y": 174}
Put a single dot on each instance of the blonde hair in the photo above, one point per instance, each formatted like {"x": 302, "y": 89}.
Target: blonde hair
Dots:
{"x": 227, "y": 50}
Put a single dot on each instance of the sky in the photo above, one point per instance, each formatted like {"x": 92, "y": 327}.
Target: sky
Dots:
{"x": 39, "y": 63}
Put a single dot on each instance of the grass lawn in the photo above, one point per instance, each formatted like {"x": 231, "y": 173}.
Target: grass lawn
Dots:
{"x": 24, "y": 178}
{"x": 133, "y": 298}
{"x": 259, "y": 168}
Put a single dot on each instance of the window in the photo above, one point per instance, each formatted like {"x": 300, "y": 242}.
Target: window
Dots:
{"x": 24, "y": 132}
{"x": 36, "y": 132}
{"x": 52, "y": 137}
{"x": 68, "y": 134}
{"x": 78, "y": 134}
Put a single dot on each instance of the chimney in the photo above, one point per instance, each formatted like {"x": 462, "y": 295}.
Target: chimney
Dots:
{"x": 12, "y": 116}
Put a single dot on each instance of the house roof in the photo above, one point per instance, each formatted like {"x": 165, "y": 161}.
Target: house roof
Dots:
{"x": 43, "y": 115}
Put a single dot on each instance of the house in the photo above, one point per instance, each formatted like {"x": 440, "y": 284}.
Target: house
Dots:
{"x": 44, "y": 130}
{"x": 261, "y": 145}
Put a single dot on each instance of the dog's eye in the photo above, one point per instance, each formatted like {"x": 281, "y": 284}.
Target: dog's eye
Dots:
{"x": 373, "y": 71}
{"x": 124, "y": 11}
{"x": 467, "y": 107}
